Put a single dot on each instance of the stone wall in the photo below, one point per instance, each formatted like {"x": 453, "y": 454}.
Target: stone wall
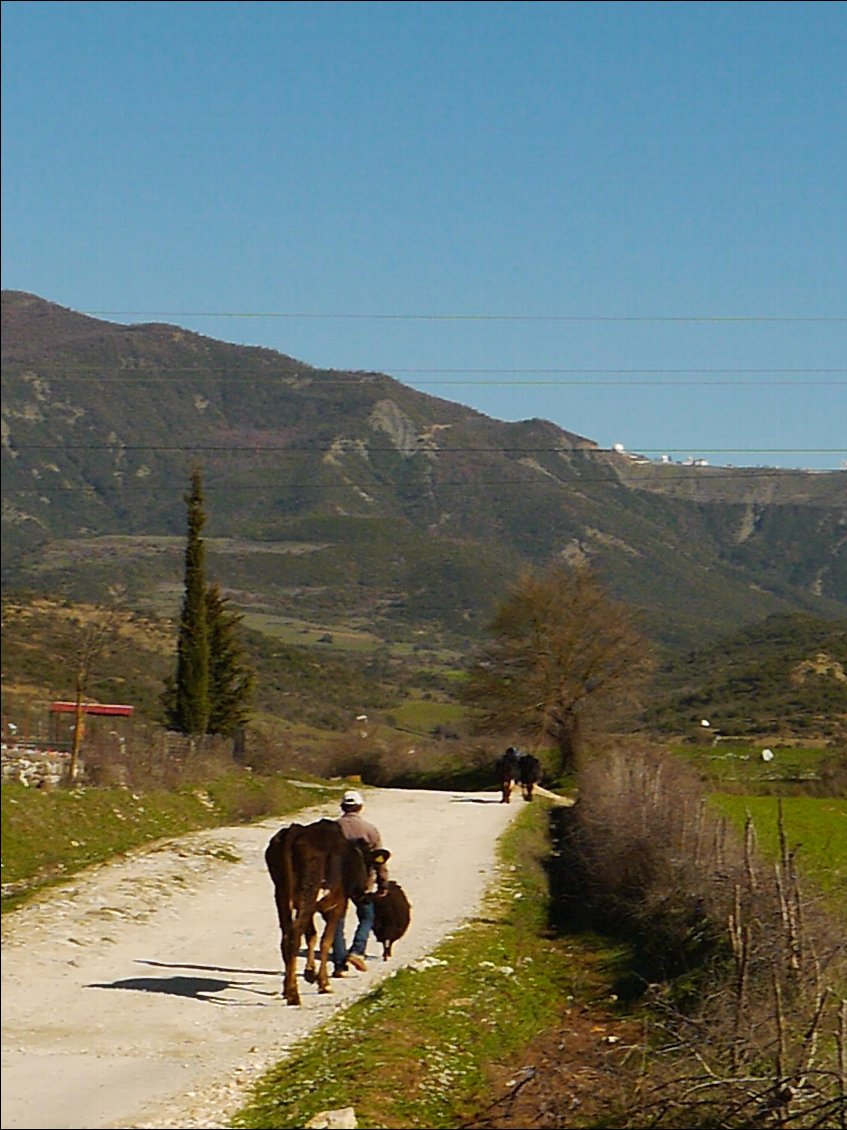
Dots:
{"x": 35, "y": 766}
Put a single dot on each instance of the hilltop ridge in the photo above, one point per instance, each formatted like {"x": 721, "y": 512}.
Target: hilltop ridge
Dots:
{"x": 345, "y": 494}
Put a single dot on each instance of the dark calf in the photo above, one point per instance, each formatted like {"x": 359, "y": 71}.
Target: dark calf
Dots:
{"x": 392, "y": 915}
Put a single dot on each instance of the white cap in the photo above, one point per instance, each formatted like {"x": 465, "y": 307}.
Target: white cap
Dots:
{"x": 352, "y": 799}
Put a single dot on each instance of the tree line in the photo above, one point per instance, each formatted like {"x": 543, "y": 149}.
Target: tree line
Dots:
{"x": 563, "y": 660}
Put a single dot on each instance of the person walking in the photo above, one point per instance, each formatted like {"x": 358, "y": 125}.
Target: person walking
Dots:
{"x": 354, "y": 827}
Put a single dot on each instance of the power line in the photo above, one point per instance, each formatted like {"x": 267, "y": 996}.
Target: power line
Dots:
{"x": 93, "y": 374}
{"x": 469, "y": 317}
{"x": 689, "y": 472}
{"x": 286, "y": 449}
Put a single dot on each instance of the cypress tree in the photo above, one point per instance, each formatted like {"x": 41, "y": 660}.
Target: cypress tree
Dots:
{"x": 230, "y": 677}
{"x": 187, "y": 699}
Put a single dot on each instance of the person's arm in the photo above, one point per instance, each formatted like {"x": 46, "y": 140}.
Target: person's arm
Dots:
{"x": 381, "y": 870}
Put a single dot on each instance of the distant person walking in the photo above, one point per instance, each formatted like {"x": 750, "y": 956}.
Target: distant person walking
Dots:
{"x": 355, "y": 827}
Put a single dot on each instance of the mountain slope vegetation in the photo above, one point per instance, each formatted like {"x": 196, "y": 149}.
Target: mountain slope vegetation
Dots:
{"x": 348, "y": 497}
{"x": 785, "y": 675}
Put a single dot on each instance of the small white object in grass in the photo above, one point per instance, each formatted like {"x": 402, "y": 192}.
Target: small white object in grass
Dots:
{"x": 767, "y": 755}
{"x": 705, "y": 722}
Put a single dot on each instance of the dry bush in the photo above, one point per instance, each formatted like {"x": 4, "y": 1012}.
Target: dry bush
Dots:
{"x": 748, "y": 1025}
{"x": 386, "y": 758}
{"x": 268, "y": 755}
{"x": 833, "y": 774}
{"x": 155, "y": 758}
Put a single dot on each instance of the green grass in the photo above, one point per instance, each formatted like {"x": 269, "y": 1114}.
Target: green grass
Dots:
{"x": 49, "y": 835}
{"x": 423, "y": 715}
{"x": 304, "y": 634}
{"x": 417, "y": 1051}
{"x": 815, "y": 826}
{"x": 742, "y": 762}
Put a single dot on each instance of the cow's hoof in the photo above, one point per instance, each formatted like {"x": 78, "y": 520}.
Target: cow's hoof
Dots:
{"x": 324, "y": 988}
{"x": 309, "y": 976}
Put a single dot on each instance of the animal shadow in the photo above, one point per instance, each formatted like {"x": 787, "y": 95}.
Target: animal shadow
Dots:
{"x": 209, "y": 990}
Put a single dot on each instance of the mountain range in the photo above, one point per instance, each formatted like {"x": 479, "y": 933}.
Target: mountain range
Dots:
{"x": 347, "y": 498}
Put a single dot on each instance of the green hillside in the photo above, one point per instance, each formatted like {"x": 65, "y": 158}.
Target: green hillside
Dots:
{"x": 349, "y": 498}
{"x": 785, "y": 675}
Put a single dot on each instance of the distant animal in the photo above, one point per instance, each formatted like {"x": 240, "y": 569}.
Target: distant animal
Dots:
{"x": 392, "y": 915}
{"x": 314, "y": 870}
{"x": 507, "y": 773}
{"x": 529, "y": 770}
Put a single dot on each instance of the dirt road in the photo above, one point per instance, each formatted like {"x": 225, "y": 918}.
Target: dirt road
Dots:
{"x": 146, "y": 993}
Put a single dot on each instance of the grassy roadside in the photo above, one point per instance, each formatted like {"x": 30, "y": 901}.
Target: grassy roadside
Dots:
{"x": 505, "y": 1014}
{"x": 423, "y": 1048}
{"x": 51, "y": 835}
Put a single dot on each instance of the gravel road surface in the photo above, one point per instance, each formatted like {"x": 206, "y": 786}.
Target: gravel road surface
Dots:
{"x": 145, "y": 993}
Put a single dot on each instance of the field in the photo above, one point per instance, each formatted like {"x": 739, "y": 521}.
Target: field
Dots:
{"x": 815, "y": 830}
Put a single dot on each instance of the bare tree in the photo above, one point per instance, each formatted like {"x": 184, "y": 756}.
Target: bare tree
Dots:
{"x": 563, "y": 655}
{"x": 96, "y": 630}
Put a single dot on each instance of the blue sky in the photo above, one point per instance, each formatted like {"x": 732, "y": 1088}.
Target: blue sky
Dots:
{"x": 627, "y": 218}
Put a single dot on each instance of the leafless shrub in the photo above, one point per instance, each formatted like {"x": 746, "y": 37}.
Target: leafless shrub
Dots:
{"x": 757, "y": 1039}
{"x": 387, "y": 758}
{"x": 156, "y": 758}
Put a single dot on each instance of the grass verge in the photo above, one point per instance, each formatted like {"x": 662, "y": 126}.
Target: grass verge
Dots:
{"x": 419, "y": 1050}
{"x": 50, "y": 835}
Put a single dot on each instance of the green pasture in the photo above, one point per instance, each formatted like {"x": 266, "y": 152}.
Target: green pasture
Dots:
{"x": 304, "y": 634}
{"x": 748, "y": 763}
{"x": 422, "y": 716}
{"x": 815, "y": 830}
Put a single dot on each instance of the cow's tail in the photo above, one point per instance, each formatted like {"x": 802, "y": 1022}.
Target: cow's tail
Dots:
{"x": 278, "y": 861}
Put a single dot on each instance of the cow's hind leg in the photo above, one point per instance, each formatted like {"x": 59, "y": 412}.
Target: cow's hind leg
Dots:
{"x": 332, "y": 915}
{"x": 290, "y": 950}
{"x": 310, "y": 934}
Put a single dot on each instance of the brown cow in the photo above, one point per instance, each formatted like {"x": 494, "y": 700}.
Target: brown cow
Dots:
{"x": 314, "y": 869}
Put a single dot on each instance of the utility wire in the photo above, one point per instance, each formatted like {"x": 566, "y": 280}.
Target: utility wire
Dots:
{"x": 286, "y": 449}
{"x": 321, "y": 377}
{"x": 690, "y": 472}
{"x": 469, "y": 317}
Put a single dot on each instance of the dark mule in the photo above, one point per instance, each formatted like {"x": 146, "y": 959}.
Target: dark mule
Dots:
{"x": 507, "y": 773}
{"x": 530, "y": 774}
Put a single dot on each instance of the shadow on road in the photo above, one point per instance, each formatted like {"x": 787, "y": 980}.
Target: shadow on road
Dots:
{"x": 205, "y": 989}
{"x": 207, "y": 968}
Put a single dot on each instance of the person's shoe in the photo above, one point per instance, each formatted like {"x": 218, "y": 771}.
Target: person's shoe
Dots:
{"x": 357, "y": 961}
{"x": 341, "y": 971}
